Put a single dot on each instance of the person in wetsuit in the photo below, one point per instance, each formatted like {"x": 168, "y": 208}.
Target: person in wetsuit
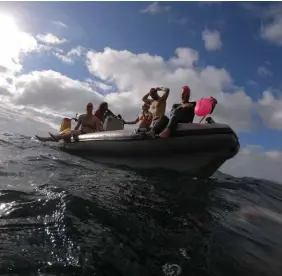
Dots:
{"x": 144, "y": 119}
{"x": 180, "y": 113}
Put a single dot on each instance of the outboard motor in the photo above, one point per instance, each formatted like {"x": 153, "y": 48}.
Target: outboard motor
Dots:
{"x": 113, "y": 123}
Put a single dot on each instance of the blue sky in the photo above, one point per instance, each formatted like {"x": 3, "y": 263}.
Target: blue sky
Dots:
{"x": 121, "y": 25}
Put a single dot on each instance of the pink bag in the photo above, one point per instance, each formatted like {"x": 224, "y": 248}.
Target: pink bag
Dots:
{"x": 204, "y": 107}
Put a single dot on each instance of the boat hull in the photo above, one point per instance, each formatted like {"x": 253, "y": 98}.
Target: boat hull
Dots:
{"x": 197, "y": 149}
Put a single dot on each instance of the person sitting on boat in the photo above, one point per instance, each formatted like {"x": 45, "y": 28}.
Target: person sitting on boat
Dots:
{"x": 144, "y": 119}
{"x": 87, "y": 123}
{"x": 103, "y": 112}
{"x": 157, "y": 107}
{"x": 181, "y": 113}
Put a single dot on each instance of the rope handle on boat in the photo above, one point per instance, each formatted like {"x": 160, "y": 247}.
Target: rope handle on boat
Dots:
{"x": 202, "y": 119}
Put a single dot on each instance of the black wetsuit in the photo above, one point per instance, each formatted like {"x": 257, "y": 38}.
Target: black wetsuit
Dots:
{"x": 178, "y": 114}
{"x": 181, "y": 114}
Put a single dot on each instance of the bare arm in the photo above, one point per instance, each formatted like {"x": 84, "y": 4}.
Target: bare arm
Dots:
{"x": 166, "y": 93}
{"x": 146, "y": 100}
{"x": 109, "y": 113}
{"x": 98, "y": 124}
{"x": 132, "y": 122}
{"x": 78, "y": 123}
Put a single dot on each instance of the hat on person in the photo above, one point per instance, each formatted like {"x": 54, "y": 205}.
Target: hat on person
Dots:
{"x": 186, "y": 89}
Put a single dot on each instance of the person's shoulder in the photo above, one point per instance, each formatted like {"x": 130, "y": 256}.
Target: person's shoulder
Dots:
{"x": 193, "y": 103}
{"x": 175, "y": 105}
{"x": 81, "y": 116}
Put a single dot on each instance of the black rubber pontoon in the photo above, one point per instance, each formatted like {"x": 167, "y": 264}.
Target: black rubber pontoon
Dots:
{"x": 198, "y": 149}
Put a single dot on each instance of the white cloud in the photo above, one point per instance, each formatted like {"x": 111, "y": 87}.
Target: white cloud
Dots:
{"x": 60, "y": 24}
{"x": 100, "y": 85}
{"x": 270, "y": 110}
{"x": 212, "y": 40}
{"x": 26, "y": 120}
{"x": 43, "y": 97}
{"x": 77, "y": 51}
{"x": 49, "y": 89}
{"x": 62, "y": 57}
{"x": 254, "y": 161}
{"x": 185, "y": 57}
{"x": 272, "y": 21}
{"x": 272, "y": 32}
{"x": 155, "y": 8}
{"x": 50, "y": 39}
{"x": 252, "y": 82}
{"x": 70, "y": 56}
{"x": 264, "y": 72}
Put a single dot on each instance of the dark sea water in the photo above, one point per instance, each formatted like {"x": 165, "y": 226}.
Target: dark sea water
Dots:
{"x": 64, "y": 215}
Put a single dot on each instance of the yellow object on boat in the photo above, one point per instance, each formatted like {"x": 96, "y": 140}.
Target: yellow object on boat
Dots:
{"x": 65, "y": 126}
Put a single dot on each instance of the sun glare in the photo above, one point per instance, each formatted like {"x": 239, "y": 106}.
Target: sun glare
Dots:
{"x": 7, "y": 25}
{"x": 13, "y": 41}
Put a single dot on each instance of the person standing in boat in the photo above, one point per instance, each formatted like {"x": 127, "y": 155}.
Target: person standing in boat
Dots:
{"x": 87, "y": 123}
{"x": 144, "y": 119}
{"x": 157, "y": 108}
{"x": 181, "y": 113}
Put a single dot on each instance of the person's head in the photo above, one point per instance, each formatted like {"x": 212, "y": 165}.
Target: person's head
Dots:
{"x": 185, "y": 94}
{"x": 103, "y": 106}
{"x": 154, "y": 94}
{"x": 145, "y": 107}
{"x": 89, "y": 108}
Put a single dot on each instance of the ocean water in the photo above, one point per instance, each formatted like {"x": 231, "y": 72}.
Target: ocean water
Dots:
{"x": 64, "y": 215}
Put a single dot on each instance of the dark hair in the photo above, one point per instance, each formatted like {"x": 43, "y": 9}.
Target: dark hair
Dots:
{"x": 103, "y": 105}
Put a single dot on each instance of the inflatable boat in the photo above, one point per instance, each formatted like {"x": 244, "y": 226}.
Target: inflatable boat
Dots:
{"x": 197, "y": 149}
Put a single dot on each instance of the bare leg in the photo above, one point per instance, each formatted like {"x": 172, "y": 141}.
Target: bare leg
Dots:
{"x": 75, "y": 137}
{"x": 45, "y": 139}
{"x": 165, "y": 134}
{"x": 66, "y": 136}
{"x": 56, "y": 137}
{"x": 151, "y": 133}
{"x": 61, "y": 136}
{"x": 158, "y": 126}
{"x": 172, "y": 124}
